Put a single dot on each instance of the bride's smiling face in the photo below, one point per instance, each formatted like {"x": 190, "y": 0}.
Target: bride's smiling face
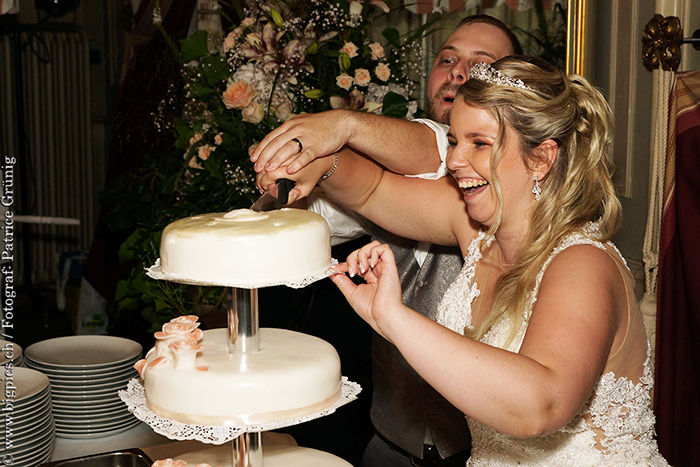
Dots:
{"x": 473, "y": 133}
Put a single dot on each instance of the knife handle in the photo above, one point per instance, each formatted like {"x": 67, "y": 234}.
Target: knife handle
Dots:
{"x": 284, "y": 185}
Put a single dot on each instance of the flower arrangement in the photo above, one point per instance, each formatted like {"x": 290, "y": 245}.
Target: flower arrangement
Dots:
{"x": 283, "y": 57}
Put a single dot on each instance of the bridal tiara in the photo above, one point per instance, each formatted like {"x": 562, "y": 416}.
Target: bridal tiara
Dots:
{"x": 485, "y": 72}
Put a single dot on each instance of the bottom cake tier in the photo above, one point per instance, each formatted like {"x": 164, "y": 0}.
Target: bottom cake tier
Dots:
{"x": 292, "y": 375}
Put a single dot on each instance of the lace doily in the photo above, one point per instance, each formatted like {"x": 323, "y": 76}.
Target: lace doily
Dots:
{"x": 156, "y": 272}
{"x": 134, "y": 396}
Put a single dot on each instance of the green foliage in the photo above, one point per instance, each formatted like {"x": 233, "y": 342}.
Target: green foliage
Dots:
{"x": 287, "y": 56}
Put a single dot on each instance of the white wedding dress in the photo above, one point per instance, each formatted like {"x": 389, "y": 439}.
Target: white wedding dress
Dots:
{"x": 618, "y": 408}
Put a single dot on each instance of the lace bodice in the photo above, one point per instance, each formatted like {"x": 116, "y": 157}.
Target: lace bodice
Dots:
{"x": 614, "y": 428}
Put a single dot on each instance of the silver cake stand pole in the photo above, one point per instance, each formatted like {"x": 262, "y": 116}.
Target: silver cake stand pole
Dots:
{"x": 244, "y": 339}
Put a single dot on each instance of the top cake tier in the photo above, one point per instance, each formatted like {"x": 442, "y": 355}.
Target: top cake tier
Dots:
{"x": 247, "y": 249}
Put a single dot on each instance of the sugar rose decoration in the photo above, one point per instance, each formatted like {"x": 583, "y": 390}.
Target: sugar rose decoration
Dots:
{"x": 177, "y": 344}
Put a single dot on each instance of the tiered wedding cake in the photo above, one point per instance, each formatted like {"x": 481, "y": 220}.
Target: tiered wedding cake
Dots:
{"x": 197, "y": 377}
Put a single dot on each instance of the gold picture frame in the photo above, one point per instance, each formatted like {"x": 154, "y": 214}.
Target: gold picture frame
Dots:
{"x": 575, "y": 37}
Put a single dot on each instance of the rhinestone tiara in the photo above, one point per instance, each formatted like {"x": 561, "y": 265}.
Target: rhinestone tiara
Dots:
{"x": 485, "y": 72}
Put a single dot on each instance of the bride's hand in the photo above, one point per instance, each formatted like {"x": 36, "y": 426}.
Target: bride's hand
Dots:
{"x": 378, "y": 300}
{"x": 305, "y": 179}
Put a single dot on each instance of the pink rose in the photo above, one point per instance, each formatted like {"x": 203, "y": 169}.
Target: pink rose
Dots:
{"x": 238, "y": 95}
{"x": 383, "y": 72}
{"x": 344, "y": 81}
{"x": 362, "y": 77}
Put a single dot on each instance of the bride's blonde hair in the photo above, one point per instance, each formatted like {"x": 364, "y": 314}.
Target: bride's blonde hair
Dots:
{"x": 577, "y": 189}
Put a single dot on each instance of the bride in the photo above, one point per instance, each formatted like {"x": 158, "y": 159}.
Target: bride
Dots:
{"x": 540, "y": 340}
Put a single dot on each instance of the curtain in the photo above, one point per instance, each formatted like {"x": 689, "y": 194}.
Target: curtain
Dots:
{"x": 677, "y": 385}
{"x": 148, "y": 66}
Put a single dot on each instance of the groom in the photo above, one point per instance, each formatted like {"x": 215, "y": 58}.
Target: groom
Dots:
{"x": 415, "y": 425}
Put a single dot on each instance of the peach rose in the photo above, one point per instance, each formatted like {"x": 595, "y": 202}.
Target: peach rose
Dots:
{"x": 350, "y": 49}
{"x": 283, "y": 111}
{"x": 248, "y": 22}
{"x": 383, "y": 72}
{"x": 344, "y": 81}
{"x": 362, "y": 77}
{"x": 205, "y": 151}
{"x": 231, "y": 38}
{"x": 196, "y": 137}
{"x": 238, "y": 95}
{"x": 377, "y": 50}
{"x": 254, "y": 113}
{"x": 193, "y": 163}
{"x": 218, "y": 139}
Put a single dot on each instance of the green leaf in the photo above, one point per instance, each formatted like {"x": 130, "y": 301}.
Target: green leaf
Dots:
{"x": 392, "y": 35}
{"x": 276, "y": 17}
{"x": 394, "y": 105}
{"x": 344, "y": 62}
{"x": 161, "y": 305}
{"x": 199, "y": 90}
{"x": 194, "y": 46}
{"x": 216, "y": 69}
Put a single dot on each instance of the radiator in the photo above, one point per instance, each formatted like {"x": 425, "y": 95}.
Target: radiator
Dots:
{"x": 53, "y": 201}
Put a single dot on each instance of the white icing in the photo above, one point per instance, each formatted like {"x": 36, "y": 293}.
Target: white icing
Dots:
{"x": 293, "y": 374}
{"x": 247, "y": 247}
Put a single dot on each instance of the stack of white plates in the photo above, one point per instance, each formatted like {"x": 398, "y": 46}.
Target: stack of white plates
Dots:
{"x": 29, "y": 437}
{"x": 86, "y": 374}
{"x": 10, "y": 352}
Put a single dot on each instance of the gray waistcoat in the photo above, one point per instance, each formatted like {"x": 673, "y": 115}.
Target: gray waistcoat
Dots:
{"x": 403, "y": 404}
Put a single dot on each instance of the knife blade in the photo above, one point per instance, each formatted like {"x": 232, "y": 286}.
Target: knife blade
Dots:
{"x": 276, "y": 198}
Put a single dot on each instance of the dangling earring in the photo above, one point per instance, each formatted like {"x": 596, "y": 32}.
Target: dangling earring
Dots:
{"x": 537, "y": 190}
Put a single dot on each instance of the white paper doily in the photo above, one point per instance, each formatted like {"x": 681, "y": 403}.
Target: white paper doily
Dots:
{"x": 134, "y": 396}
{"x": 156, "y": 272}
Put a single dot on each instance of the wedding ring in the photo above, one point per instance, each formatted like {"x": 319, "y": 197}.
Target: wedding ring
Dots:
{"x": 301, "y": 146}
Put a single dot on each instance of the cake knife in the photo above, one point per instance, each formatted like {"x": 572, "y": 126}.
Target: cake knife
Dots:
{"x": 276, "y": 198}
